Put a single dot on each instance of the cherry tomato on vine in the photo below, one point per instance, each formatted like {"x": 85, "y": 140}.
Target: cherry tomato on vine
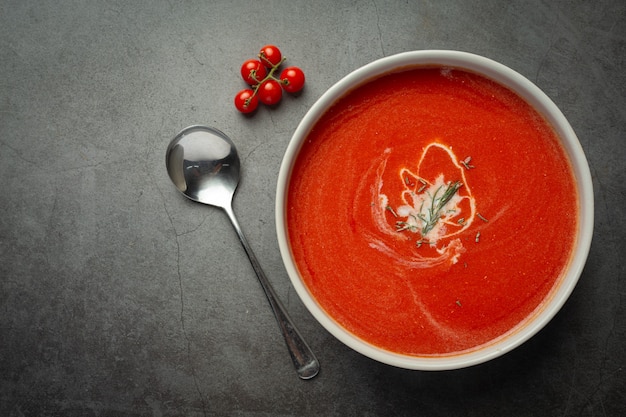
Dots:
{"x": 246, "y": 101}
{"x": 270, "y": 56}
{"x": 292, "y": 79}
{"x": 270, "y": 92}
{"x": 253, "y": 71}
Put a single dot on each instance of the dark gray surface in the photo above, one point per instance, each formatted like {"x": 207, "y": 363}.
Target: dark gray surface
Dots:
{"x": 120, "y": 297}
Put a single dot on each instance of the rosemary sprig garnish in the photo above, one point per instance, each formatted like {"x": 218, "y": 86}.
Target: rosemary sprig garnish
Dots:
{"x": 437, "y": 205}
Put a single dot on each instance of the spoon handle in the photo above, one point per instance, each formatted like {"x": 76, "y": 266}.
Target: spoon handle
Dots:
{"x": 303, "y": 358}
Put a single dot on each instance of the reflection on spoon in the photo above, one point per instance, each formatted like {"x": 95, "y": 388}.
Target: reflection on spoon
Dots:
{"x": 203, "y": 164}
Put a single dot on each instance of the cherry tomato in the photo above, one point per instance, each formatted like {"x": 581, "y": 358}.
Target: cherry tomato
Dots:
{"x": 270, "y": 56}
{"x": 253, "y": 71}
{"x": 270, "y": 92}
{"x": 246, "y": 101}
{"x": 292, "y": 79}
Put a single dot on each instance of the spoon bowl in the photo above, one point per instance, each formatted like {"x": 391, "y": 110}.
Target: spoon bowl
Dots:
{"x": 203, "y": 164}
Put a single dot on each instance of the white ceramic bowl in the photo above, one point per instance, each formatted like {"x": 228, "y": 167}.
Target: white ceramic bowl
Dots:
{"x": 535, "y": 97}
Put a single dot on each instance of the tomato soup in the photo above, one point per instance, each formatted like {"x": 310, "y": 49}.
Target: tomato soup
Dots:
{"x": 431, "y": 211}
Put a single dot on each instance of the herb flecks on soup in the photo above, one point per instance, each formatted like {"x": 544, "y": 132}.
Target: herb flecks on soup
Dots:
{"x": 432, "y": 208}
{"x": 431, "y": 212}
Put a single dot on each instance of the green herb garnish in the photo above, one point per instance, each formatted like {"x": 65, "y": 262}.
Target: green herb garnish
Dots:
{"x": 437, "y": 204}
{"x": 466, "y": 163}
{"x": 392, "y": 211}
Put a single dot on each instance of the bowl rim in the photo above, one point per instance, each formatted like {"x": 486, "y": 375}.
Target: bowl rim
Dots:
{"x": 535, "y": 97}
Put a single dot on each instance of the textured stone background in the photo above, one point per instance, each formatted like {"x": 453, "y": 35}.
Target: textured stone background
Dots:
{"x": 120, "y": 297}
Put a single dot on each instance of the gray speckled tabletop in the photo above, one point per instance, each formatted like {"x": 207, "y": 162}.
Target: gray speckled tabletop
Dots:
{"x": 120, "y": 297}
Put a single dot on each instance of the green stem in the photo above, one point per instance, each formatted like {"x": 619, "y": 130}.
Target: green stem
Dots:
{"x": 270, "y": 75}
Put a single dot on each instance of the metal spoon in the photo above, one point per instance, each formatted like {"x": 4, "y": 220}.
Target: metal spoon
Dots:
{"x": 204, "y": 165}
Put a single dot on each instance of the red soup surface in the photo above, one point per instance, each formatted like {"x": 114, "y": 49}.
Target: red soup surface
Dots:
{"x": 431, "y": 211}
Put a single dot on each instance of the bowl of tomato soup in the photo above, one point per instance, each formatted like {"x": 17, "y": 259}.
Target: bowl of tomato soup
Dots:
{"x": 434, "y": 210}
